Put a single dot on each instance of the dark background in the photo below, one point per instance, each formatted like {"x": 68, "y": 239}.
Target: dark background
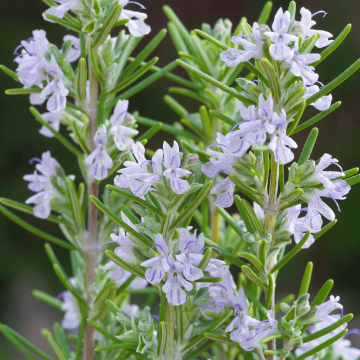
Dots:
{"x": 23, "y": 262}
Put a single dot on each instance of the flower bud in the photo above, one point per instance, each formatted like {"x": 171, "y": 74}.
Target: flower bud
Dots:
{"x": 307, "y": 318}
{"x": 285, "y": 308}
{"x": 249, "y": 238}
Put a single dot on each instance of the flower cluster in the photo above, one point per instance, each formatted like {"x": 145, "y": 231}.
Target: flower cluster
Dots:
{"x": 36, "y": 67}
{"x": 135, "y": 23}
{"x": 140, "y": 176}
{"x": 40, "y": 182}
{"x": 286, "y": 36}
{"x": 179, "y": 271}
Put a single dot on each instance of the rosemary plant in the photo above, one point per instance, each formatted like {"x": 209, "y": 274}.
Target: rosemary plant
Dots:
{"x": 161, "y": 226}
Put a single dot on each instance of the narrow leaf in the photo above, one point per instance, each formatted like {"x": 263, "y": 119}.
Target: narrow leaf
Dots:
{"x": 308, "y": 147}
{"x": 265, "y": 13}
{"x": 305, "y": 283}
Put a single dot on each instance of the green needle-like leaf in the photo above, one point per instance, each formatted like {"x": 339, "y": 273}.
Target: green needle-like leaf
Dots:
{"x": 254, "y": 299}
{"x": 325, "y": 229}
{"x": 175, "y": 106}
{"x": 147, "y": 135}
{"x": 168, "y": 128}
{"x": 21, "y": 340}
{"x": 265, "y": 13}
{"x": 9, "y": 72}
{"x": 345, "y": 319}
{"x": 108, "y": 25}
{"x": 272, "y": 77}
{"x": 54, "y": 345}
{"x": 182, "y": 217}
{"x": 36, "y": 231}
{"x": 29, "y": 210}
{"x": 315, "y": 119}
{"x": 48, "y": 299}
{"x": 131, "y": 196}
{"x": 57, "y": 135}
{"x": 214, "y": 82}
{"x": 334, "y": 45}
{"x": 101, "y": 330}
{"x": 250, "y": 274}
{"x": 335, "y": 83}
{"x": 188, "y": 93}
{"x": 112, "y": 216}
{"x": 64, "y": 23}
{"x": 309, "y": 146}
{"x": 82, "y": 79}
{"x": 221, "y": 339}
{"x": 145, "y": 83}
{"x": 290, "y": 254}
{"x": 145, "y": 53}
{"x": 228, "y": 218}
{"x": 26, "y": 91}
{"x": 123, "y": 264}
{"x": 323, "y": 293}
{"x": 323, "y": 345}
{"x": 223, "y": 117}
{"x": 75, "y": 207}
{"x": 305, "y": 283}
{"x": 253, "y": 260}
{"x": 297, "y": 118}
{"x": 353, "y": 180}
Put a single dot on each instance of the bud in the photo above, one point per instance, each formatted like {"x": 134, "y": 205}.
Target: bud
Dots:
{"x": 308, "y": 168}
{"x": 303, "y": 297}
{"x": 302, "y": 309}
{"x": 249, "y": 238}
{"x": 285, "y": 308}
{"x": 307, "y": 319}
{"x": 124, "y": 319}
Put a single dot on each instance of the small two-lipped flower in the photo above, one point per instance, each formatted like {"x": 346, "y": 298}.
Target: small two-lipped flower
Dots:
{"x": 99, "y": 160}
{"x": 40, "y": 183}
{"x": 140, "y": 176}
{"x": 180, "y": 271}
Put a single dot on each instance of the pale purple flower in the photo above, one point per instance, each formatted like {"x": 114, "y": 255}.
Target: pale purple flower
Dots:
{"x": 54, "y": 121}
{"x": 190, "y": 256}
{"x": 307, "y": 23}
{"x": 60, "y": 10}
{"x": 131, "y": 310}
{"x": 136, "y": 27}
{"x": 71, "y": 319}
{"x": 222, "y": 293}
{"x": 137, "y": 176}
{"x": 157, "y": 265}
{"x": 55, "y": 88}
{"x": 122, "y": 134}
{"x": 75, "y": 50}
{"x": 225, "y": 188}
{"x": 280, "y": 142}
{"x": 255, "y": 125}
{"x": 99, "y": 159}
{"x": 175, "y": 295}
{"x": 323, "y": 311}
{"x": 280, "y": 36}
{"x": 251, "y": 49}
{"x": 321, "y": 104}
{"x": 42, "y": 186}
{"x": 342, "y": 348}
{"x": 32, "y": 59}
{"x": 296, "y": 226}
{"x": 245, "y": 330}
{"x": 325, "y": 177}
{"x": 173, "y": 171}
{"x": 300, "y": 66}
{"x": 317, "y": 207}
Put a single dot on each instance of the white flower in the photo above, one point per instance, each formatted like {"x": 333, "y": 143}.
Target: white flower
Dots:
{"x": 321, "y": 104}
{"x": 122, "y": 134}
{"x": 280, "y": 36}
{"x": 280, "y": 142}
{"x": 54, "y": 121}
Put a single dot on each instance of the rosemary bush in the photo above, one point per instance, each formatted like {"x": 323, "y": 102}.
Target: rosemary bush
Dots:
{"x": 157, "y": 223}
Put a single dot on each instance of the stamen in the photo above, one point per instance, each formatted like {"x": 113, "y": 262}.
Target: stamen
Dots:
{"x": 48, "y": 75}
{"x": 256, "y": 81}
{"x": 217, "y": 173}
{"x": 30, "y": 39}
{"x": 337, "y": 204}
{"x": 211, "y": 247}
{"x": 155, "y": 317}
{"x": 338, "y": 165}
{"x": 319, "y": 12}
{"x": 125, "y": 153}
{"x": 136, "y": 3}
{"x": 320, "y": 83}
{"x": 109, "y": 242}
{"x": 221, "y": 145}
{"x": 23, "y": 54}
{"x": 221, "y": 286}
{"x": 353, "y": 332}
{"x": 17, "y": 49}
{"x": 240, "y": 122}
{"x": 31, "y": 161}
{"x": 157, "y": 246}
{"x": 147, "y": 161}
{"x": 190, "y": 242}
{"x": 61, "y": 295}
